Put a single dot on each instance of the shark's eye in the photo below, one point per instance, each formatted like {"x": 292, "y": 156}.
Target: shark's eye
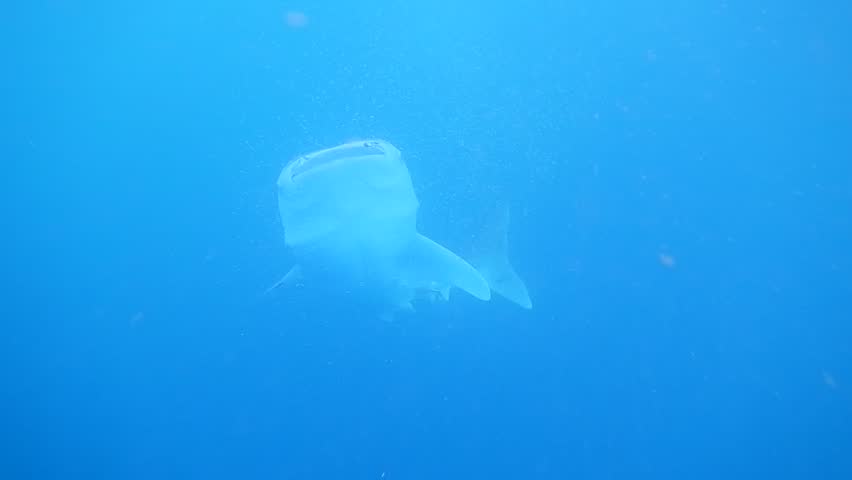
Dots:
{"x": 375, "y": 147}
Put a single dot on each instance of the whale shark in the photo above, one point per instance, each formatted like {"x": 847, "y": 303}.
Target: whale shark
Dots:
{"x": 349, "y": 215}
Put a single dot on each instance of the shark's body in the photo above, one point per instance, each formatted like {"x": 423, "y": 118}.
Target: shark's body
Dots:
{"x": 349, "y": 215}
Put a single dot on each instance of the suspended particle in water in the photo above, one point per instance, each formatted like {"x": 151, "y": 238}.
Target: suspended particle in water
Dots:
{"x": 136, "y": 319}
{"x": 829, "y": 380}
{"x": 296, "y": 19}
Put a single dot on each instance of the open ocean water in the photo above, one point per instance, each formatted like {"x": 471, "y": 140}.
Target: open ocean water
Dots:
{"x": 680, "y": 180}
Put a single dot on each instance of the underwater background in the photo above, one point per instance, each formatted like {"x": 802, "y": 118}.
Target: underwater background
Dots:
{"x": 680, "y": 178}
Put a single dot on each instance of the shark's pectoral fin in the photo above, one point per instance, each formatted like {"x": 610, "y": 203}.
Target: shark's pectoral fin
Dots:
{"x": 425, "y": 262}
{"x": 292, "y": 277}
{"x": 503, "y": 280}
{"x": 492, "y": 259}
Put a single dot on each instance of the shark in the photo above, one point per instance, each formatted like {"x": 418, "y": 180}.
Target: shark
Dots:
{"x": 349, "y": 215}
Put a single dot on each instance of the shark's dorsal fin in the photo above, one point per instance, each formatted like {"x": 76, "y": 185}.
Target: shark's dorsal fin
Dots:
{"x": 491, "y": 258}
{"x": 291, "y": 278}
{"x": 425, "y": 262}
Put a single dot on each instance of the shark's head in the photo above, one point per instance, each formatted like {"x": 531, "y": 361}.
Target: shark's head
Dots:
{"x": 356, "y": 185}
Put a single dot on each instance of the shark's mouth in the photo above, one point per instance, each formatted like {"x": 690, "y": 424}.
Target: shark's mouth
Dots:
{"x": 328, "y": 157}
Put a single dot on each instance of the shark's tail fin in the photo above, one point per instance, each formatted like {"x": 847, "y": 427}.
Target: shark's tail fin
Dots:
{"x": 491, "y": 258}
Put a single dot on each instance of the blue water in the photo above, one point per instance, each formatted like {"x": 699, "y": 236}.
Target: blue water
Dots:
{"x": 680, "y": 175}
